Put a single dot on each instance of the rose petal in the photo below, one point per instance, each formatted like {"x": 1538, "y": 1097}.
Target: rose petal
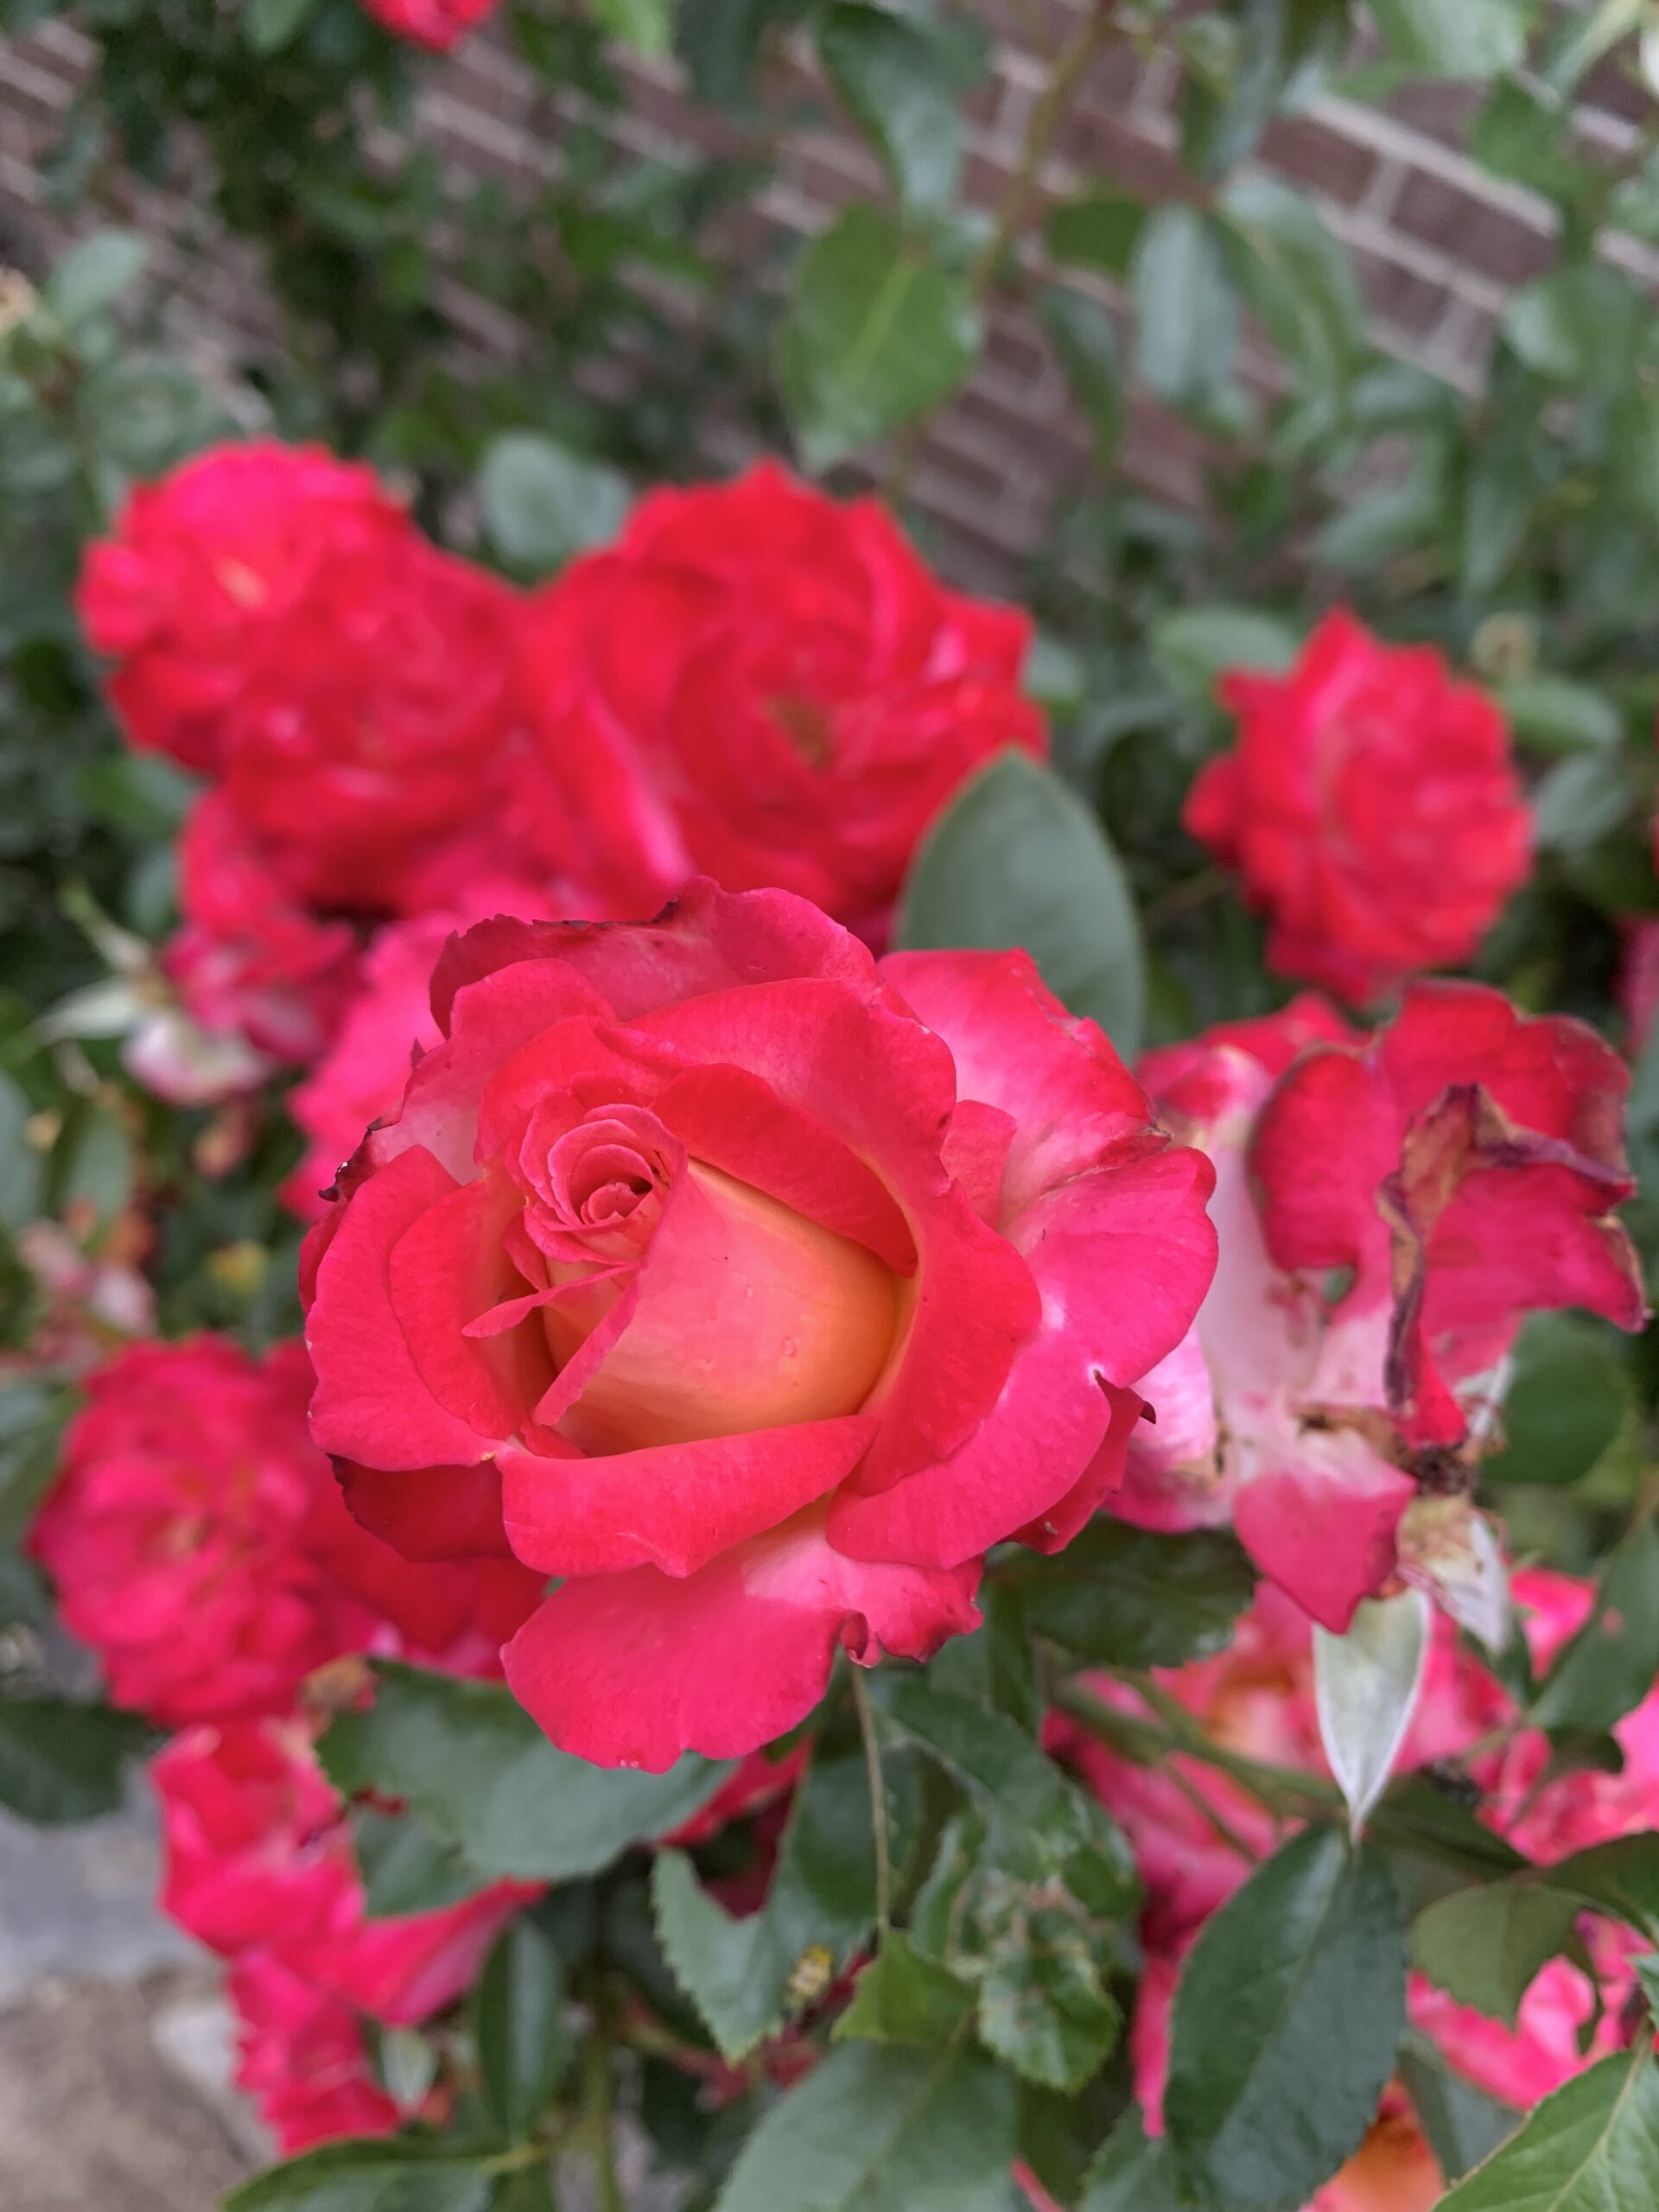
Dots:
{"x": 634, "y": 1669}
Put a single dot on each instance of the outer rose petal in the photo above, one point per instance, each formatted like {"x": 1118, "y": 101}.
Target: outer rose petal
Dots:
{"x": 1016, "y": 1046}
{"x": 632, "y": 1669}
{"x": 430, "y": 1513}
{"x": 704, "y": 940}
{"x": 371, "y": 1401}
{"x": 1322, "y": 1525}
{"x": 673, "y": 1506}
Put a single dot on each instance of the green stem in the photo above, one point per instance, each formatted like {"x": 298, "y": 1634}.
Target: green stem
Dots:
{"x": 1280, "y": 1789}
{"x": 599, "y": 2115}
{"x": 878, "y": 1801}
{"x": 1071, "y": 66}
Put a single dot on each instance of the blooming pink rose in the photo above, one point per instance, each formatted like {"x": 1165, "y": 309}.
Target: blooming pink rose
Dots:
{"x": 1372, "y": 806}
{"x": 259, "y": 1857}
{"x": 198, "y": 1542}
{"x": 765, "y": 684}
{"x": 753, "y": 1289}
{"x": 1456, "y": 1172}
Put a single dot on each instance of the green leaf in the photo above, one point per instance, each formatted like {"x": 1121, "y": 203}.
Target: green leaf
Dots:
{"x": 720, "y": 42}
{"x": 646, "y": 25}
{"x": 1196, "y": 644}
{"x": 22, "y": 1167}
{"x": 876, "y": 333}
{"x": 32, "y": 1417}
{"x": 1583, "y": 37}
{"x": 541, "y": 503}
{"x": 519, "y": 2027}
{"x": 1592, "y": 2147}
{"x": 1608, "y": 1667}
{"x": 1286, "y": 2019}
{"x": 879, "y": 2128}
{"x": 1518, "y": 135}
{"x": 269, "y": 25}
{"x": 1132, "y": 2172}
{"x": 903, "y": 1996}
{"x": 1015, "y": 860}
{"x": 1028, "y": 1893}
{"x": 1084, "y": 340}
{"x": 1484, "y": 1946}
{"x": 1577, "y": 326}
{"x": 392, "y": 2173}
{"x": 1550, "y": 714}
{"x": 1126, "y": 1597}
{"x": 1298, "y": 279}
{"x": 93, "y": 274}
{"x": 1581, "y": 800}
{"x": 1096, "y": 231}
{"x": 1567, "y": 1401}
{"x": 61, "y": 1762}
{"x": 1462, "y": 2125}
{"x": 820, "y": 1907}
{"x": 405, "y": 1867}
{"x": 1186, "y": 310}
{"x": 1456, "y": 38}
{"x": 897, "y": 79}
{"x": 1366, "y": 1684}
{"x": 475, "y": 1768}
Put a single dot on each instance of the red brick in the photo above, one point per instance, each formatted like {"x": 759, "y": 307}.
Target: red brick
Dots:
{"x": 1314, "y": 154}
{"x": 1398, "y": 297}
{"x": 1471, "y": 232}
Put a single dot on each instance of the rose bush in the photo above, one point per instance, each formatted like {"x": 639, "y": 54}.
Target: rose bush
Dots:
{"x": 1371, "y": 807}
{"x": 754, "y": 1289}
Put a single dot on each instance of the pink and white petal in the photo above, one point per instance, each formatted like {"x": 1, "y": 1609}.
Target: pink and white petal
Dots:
{"x": 373, "y": 1402}
{"x": 1071, "y": 1100}
{"x": 631, "y": 1670}
{"x": 1127, "y": 1253}
{"x": 1323, "y": 1522}
{"x": 671, "y": 1506}
{"x": 448, "y": 1269}
{"x": 975, "y": 1155}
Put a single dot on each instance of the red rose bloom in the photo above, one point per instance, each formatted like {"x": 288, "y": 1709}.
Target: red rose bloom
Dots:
{"x": 1371, "y": 806}
{"x": 436, "y": 24}
{"x": 259, "y": 1856}
{"x": 198, "y": 1541}
{"x": 756, "y": 1290}
{"x": 280, "y": 622}
{"x": 761, "y": 683}
{"x": 206, "y": 568}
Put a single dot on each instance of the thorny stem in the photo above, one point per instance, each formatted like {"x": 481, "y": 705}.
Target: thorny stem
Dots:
{"x": 878, "y": 1800}
{"x": 1071, "y": 66}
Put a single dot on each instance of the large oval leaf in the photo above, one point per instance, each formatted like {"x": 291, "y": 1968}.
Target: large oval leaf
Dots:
{"x": 1016, "y": 861}
{"x": 1286, "y": 2025}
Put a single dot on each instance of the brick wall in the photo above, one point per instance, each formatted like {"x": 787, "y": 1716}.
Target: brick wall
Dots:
{"x": 1437, "y": 242}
